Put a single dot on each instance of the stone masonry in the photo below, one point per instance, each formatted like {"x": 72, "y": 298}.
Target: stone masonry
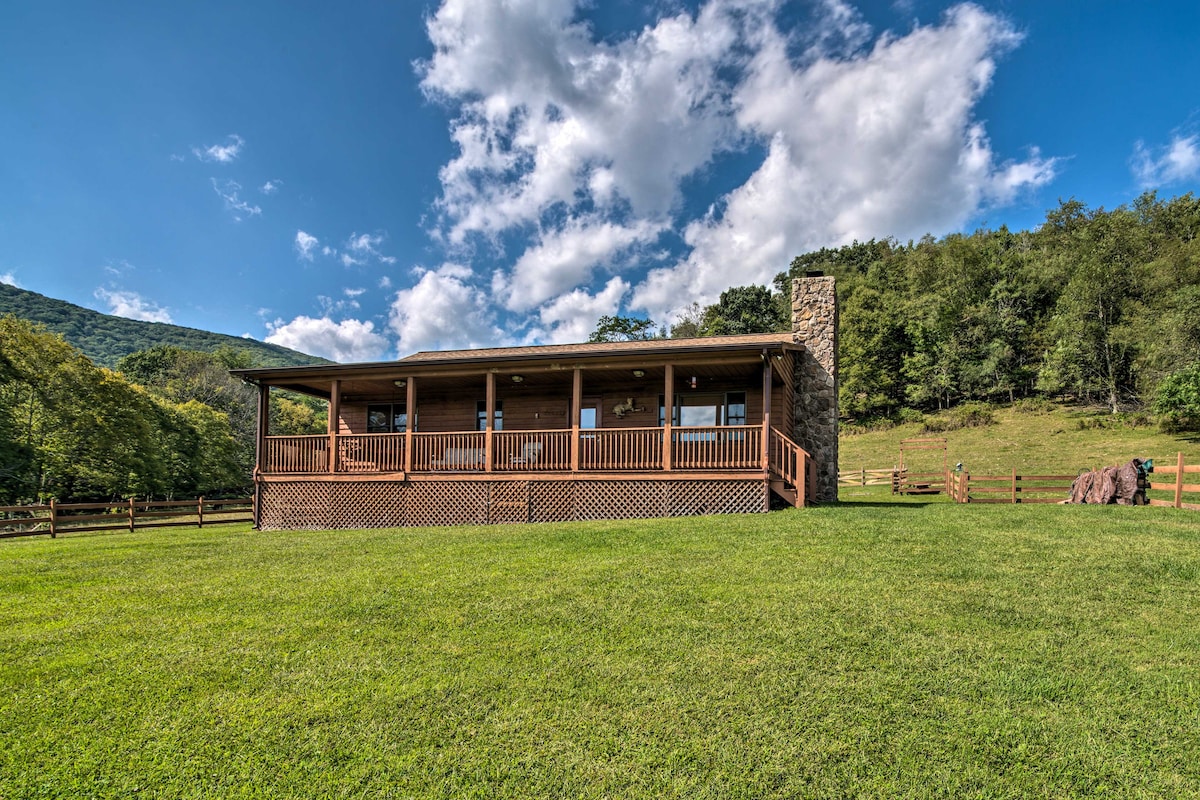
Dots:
{"x": 814, "y": 325}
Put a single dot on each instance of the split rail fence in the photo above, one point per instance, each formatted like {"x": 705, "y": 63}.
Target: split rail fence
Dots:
{"x": 964, "y": 487}
{"x": 1177, "y": 488}
{"x": 867, "y": 477}
{"x": 1168, "y": 485}
{"x": 55, "y": 518}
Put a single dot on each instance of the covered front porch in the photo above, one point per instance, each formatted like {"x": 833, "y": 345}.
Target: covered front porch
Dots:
{"x": 692, "y": 411}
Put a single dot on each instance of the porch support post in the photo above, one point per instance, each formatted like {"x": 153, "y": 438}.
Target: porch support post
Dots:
{"x": 264, "y": 419}
{"x": 490, "y": 424}
{"x": 576, "y": 403}
{"x": 668, "y": 450}
{"x": 410, "y": 409}
{"x": 335, "y": 417}
{"x": 766, "y": 414}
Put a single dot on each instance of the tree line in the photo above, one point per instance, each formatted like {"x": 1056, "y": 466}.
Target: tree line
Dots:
{"x": 1094, "y": 306}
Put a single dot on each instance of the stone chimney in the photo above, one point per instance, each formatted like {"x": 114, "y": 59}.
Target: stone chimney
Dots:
{"x": 814, "y": 325}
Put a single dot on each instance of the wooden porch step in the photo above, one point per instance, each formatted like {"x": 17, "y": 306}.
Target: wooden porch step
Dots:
{"x": 786, "y": 491}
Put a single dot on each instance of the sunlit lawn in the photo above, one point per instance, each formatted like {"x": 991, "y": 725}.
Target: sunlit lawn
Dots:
{"x": 870, "y": 650}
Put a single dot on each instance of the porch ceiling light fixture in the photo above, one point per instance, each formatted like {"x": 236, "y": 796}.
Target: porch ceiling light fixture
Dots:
{"x": 693, "y": 381}
{"x": 400, "y": 384}
{"x": 518, "y": 378}
{"x": 639, "y": 373}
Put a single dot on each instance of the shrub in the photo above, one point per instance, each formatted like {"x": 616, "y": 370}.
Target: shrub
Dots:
{"x": 1177, "y": 400}
{"x": 866, "y": 425}
{"x": 968, "y": 415}
{"x": 1033, "y": 405}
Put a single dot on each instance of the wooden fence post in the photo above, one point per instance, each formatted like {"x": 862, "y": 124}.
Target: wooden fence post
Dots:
{"x": 53, "y": 521}
{"x": 200, "y": 512}
{"x": 1179, "y": 482}
{"x": 1014, "y": 486}
{"x": 132, "y": 513}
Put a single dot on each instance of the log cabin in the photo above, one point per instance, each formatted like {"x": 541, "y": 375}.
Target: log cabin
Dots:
{"x": 665, "y": 427}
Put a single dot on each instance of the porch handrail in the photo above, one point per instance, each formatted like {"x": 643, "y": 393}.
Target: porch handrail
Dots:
{"x": 792, "y": 464}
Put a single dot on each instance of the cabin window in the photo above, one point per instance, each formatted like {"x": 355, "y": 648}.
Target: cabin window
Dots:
{"x": 481, "y": 416}
{"x": 588, "y": 416}
{"x": 735, "y": 408}
{"x": 387, "y": 418}
{"x": 704, "y": 410}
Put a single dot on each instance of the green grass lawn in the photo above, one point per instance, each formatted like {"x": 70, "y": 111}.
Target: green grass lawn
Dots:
{"x": 918, "y": 650}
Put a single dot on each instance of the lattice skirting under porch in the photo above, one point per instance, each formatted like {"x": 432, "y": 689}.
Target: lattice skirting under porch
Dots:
{"x": 321, "y": 505}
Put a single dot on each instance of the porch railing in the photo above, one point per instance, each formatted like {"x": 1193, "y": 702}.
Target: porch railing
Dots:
{"x": 286, "y": 454}
{"x": 601, "y": 450}
{"x": 531, "y": 451}
{"x": 370, "y": 452}
{"x": 448, "y": 452}
{"x": 636, "y": 449}
{"x": 717, "y": 447}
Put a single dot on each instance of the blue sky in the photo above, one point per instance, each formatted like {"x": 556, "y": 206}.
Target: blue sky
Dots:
{"x": 368, "y": 179}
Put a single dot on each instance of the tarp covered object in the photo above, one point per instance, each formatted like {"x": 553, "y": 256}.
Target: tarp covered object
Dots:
{"x": 1081, "y": 486}
{"x": 1124, "y": 485}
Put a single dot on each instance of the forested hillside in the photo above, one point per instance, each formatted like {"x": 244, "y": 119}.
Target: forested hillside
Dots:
{"x": 105, "y": 339}
{"x": 166, "y": 423}
{"x": 1094, "y": 306}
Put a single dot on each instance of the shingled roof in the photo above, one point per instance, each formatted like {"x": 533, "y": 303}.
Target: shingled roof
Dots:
{"x": 603, "y": 348}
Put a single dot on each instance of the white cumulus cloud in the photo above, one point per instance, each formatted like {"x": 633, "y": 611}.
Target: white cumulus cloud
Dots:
{"x": 880, "y": 144}
{"x": 1177, "y": 161}
{"x": 571, "y": 317}
{"x": 131, "y": 305}
{"x": 549, "y": 115}
{"x": 345, "y": 341}
{"x": 563, "y": 259}
{"x": 444, "y": 310}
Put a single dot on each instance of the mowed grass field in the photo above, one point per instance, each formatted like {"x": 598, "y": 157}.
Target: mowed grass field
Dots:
{"x": 873, "y": 650}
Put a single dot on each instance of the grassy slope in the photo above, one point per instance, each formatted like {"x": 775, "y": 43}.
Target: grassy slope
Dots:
{"x": 1049, "y": 442}
{"x": 877, "y": 650}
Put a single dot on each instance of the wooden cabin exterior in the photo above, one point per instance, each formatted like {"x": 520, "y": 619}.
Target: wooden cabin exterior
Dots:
{"x": 669, "y": 427}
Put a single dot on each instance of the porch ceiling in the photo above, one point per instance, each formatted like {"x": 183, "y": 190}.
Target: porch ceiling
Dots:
{"x": 535, "y": 381}
{"x": 706, "y": 359}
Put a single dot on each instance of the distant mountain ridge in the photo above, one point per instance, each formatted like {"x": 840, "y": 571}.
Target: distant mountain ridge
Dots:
{"x": 105, "y": 338}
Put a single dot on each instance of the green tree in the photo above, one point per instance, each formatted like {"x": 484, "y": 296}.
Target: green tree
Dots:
{"x": 687, "y": 322}
{"x": 744, "y": 309}
{"x": 623, "y": 329}
{"x": 1177, "y": 400}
